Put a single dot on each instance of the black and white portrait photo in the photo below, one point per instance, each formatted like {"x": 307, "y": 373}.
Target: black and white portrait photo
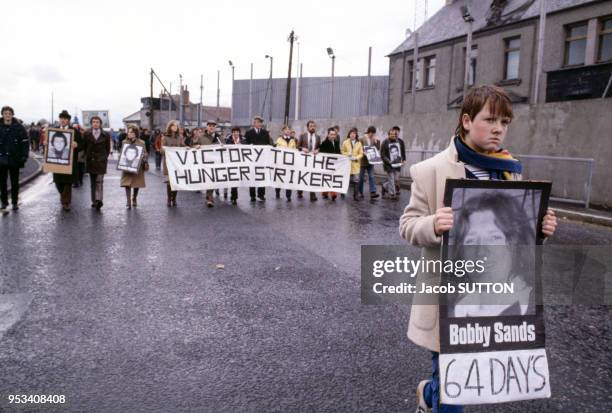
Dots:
{"x": 130, "y": 158}
{"x": 60, "y": 142}
{"x": 500, "y": 224}
{"x": 395, "y": 155}
{"x": 372, "y": 154}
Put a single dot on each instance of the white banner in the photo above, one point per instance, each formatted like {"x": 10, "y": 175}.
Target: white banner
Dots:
{"x": 227, "y": 166}
{"x": 494, "y": 377}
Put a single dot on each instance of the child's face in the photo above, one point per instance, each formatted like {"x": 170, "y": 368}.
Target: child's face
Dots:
{"x": 486, "y": 132}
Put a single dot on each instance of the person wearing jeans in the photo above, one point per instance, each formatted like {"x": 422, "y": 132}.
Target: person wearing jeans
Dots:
{"x": 369, "y": 139}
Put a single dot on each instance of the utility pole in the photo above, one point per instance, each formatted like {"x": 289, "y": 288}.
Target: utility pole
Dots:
{"x": 370, "y": 81}
{"x": 251, "y": 95}
{"x": 218, "y": 89}
{"x": 270, "y": 82}
{"x": 151, "y": 126}
{"x": 170, "y": 101}
{"x": 181, "y": 100}
{"x": 52, "y": 112}
{"x": 467, "y": 17}
{"x": 232, "y": 66}
{"x": 331, "y": 54}
{"x": 292, "y": 37}
{"x": 298, "y": 75}
{"x": 201, "y": 94}
{"x": 540, "y": 58}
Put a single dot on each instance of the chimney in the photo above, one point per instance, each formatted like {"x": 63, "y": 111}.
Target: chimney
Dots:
{"x": 185, "y": 95}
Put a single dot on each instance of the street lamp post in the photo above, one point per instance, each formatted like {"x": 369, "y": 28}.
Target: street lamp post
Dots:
{"x": 467, "y": 17}
{"x": 232, "y": 66}
{"x": 271, "y": 88}
{"x": 331, "y": 54}
{"x": 181, "y": 100}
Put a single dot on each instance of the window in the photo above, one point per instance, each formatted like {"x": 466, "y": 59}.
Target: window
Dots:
{"x": 605, "y": 40}
{"x": 472, "y": 66}
{"x": 411, "y": 73}
{"x": 512, "y": 53}
{"x": 430, "y": 71}
{"x": 575, "y": 44}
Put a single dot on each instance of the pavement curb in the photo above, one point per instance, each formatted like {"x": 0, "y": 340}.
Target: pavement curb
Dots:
{"x": 33, "y": 175}
{"x": 560, "y": 212}
{"x": 583, "y": 217}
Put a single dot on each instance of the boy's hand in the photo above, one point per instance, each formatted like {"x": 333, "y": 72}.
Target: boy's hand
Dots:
{"x": 549, "y": 223}
{"x": 443, "y": 220}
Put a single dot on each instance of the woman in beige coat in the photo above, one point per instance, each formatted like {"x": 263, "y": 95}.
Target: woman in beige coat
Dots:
{"x": 481, "y": 130}
{"x": 172, "y": 137}
{"x": 130, "y": 180}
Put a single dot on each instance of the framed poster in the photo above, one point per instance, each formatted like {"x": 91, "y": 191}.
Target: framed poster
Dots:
{"x": 492, "y": 335}
{"x": 373, "y": 155}
{"x": 58, "y": 151}
{"x": 395, "y": 154}
{"x": 130, "y": 158}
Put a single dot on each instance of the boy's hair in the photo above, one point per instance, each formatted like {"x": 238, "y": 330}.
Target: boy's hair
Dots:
{"x": 10, "y": 109}
{"x": 371, "y": 129}
{"x": 498, "y": 100}
{"x": 236, "y": 128}
{"x": 332, "y": 129}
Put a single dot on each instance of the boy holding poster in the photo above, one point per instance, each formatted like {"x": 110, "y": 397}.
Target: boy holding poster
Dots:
{"x": 474, "y": 152}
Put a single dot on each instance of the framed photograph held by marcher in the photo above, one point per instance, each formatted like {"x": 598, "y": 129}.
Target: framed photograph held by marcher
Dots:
{"x": 58, "y": 151}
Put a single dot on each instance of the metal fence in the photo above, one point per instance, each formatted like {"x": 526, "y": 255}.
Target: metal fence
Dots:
{"x": 571, "y": 177}
{"x": 353, "y": 96}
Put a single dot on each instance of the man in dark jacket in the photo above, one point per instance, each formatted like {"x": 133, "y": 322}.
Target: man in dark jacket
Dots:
{"x": 393, "y": 154}
{"x": 97, "y": 145}
{"x": 309, "y": 142}
{"x": 331, "y": 145}
{"x": 63, "y": 182}
{"x": 257, "y": 135}
{"x": 14, "y": 149}
{"x": 235, "y": 139}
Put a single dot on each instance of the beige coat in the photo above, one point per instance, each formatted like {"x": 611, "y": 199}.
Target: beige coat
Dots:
{"x": 169, "y": 141}
{"x": 136, "y": 180}
{"x": 417, "y": 227}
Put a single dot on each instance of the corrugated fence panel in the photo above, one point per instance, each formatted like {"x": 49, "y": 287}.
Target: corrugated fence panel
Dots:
{"x": 350, "y": 98}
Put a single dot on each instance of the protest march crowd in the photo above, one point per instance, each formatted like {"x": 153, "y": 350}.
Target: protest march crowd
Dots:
{"x": 474, "y": 152}
{"x": 92, "y": 147}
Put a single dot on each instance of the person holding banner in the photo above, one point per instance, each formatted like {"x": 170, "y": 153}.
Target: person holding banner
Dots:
{"x": 367, "y": 141}
{"x": 235, "y": 139}
{"x": 257, "y": 135}
{"x": 474, "y": 152}
{"x": 393, "y": 154}
{"x": 97, "y": 149}
{"x": 63, "y": 182}
{"x": 285, "y": 141}
{"x": 353, "y": 149}
{"x": 330, "y": 145}
{"x": 170, "y": 138}
{"x": 309, "y": 142}
{"x": 14, "y": 150}
{"x": 134, "y": 180}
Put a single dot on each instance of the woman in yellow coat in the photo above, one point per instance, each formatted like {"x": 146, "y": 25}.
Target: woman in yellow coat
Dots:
{"x": 288, "y": 142}
{"x": 353, "y": 148}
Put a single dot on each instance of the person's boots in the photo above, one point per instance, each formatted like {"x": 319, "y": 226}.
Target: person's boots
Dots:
{"x": 168, "y": 196}
{"x": 174, "y": 193}
{"x": 355, "y": 191}
{"x": 129, "y": 201}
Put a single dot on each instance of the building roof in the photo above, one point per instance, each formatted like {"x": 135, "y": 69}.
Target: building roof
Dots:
{"x": 448, "y": 22}
{"x": 134, "y": 117}
{"x": 217, "y": 113}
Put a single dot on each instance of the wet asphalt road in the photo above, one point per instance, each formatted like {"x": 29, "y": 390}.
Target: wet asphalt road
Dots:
{"x": 125, "y": 311}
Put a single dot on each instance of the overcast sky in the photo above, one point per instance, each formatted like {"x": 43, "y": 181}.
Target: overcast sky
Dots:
{"x": 97, "y": 55}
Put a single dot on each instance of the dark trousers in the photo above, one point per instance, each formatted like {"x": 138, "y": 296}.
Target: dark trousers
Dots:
{"x": 97, "y": 187}
{"x": 158, "y": 159}
{"x": 65, "y": 191}
{"x": 287, "y": 193}
{"x": 5, "y": 172}
{"x": 80, "y": 173}
{"x": 234, "y": 193}
{"x": 261, "y": 192}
